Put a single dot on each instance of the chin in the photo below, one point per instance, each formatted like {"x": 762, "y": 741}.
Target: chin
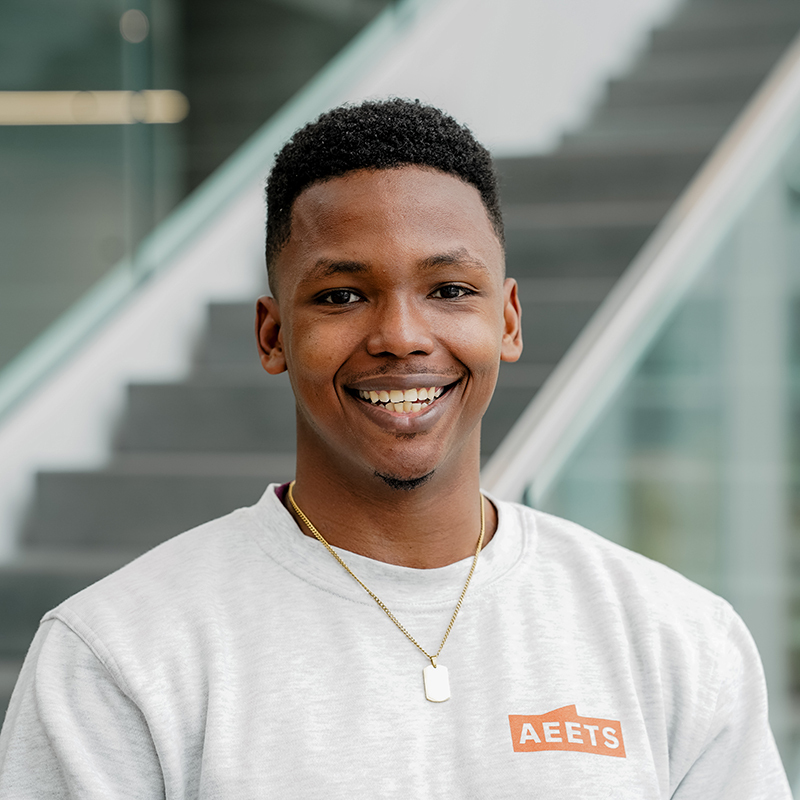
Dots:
{"x": 403, "y": 483}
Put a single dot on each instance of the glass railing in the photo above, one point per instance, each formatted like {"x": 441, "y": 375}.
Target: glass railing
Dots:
{"x": 673, "y": 425}
{"x": 79, "y": 201}
{"x": 79, "y": 144}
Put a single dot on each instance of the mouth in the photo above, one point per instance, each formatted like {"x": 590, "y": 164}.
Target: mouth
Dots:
{"x": 403, "y": 401}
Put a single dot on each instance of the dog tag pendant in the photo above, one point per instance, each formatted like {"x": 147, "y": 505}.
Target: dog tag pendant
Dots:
{"x": 437, "y": 683}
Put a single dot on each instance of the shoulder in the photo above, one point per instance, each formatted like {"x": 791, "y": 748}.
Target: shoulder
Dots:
{"x": 691, "y": 658}
{"x": 170, "y": 591}
{"x": 648, "y": 598}
{"x": 160, "y": 628}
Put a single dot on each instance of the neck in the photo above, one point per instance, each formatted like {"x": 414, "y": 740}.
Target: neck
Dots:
{"x": 432, "y": 525}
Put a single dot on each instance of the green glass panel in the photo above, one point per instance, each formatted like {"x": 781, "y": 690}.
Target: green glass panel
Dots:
{"x": 74, "y": 199}
{"x": 695, "y": 462}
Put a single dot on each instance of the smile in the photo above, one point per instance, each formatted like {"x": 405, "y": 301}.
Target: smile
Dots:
{"x": 402, "y": 401}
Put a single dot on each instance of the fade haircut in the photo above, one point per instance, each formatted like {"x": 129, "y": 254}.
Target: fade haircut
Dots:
{"x": 374, "y": 135}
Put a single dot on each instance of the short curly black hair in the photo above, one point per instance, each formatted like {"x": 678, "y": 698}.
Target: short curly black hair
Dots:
{"x": 382, "y": 134}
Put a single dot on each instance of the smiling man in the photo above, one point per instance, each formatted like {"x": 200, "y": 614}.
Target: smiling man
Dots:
{"x": 378, "y": 627}
{"x": 391, "y": 313}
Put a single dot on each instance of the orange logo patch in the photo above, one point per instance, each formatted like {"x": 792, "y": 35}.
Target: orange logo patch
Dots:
{"x": 563, "y": 729}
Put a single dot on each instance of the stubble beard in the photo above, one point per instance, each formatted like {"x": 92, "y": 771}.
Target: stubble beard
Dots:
{"x": 404, "y": 484}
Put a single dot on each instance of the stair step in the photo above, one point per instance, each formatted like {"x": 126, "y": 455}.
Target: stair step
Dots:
{"x": 647, "y": 128}
{"x": 209, "y": 418}
{"x": 590, "y": 251}
{"x": 268, "y": 467}
{"x": 599, "y": 142}
{"x": 750, "y": 32}
{"x": 121, "y": 508}
{"x": 743, "y": 61}
{"x": 674, "y": 118}
{"x": 713, "y": 89}
{"x": 701, "y": 15}
{"x": 563, "y": 177}
{"x": 603, "y": 214}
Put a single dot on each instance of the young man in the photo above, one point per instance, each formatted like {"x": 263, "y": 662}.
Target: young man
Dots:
{"x": 380, "y": 628}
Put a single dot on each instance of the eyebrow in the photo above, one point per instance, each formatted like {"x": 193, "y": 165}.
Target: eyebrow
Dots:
{"x": 325, "y": 268}
{"x": 459, "y": 256}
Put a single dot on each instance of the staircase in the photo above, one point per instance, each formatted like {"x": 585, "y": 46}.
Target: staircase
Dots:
{"x": 187, "y": 452}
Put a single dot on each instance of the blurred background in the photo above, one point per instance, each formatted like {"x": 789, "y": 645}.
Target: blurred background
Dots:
{"x": 77, "y": 198}
{"x": 649, "y": 154}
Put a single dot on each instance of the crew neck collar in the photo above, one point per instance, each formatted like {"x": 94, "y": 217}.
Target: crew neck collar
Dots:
{"x": 305, "y": 557}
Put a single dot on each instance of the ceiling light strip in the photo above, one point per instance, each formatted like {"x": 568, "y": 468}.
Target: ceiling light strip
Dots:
{"x": 92, "y": 108}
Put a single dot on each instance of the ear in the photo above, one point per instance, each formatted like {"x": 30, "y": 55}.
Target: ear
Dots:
{"x": 511, "y": 347}
{"x": 269, "y": 335}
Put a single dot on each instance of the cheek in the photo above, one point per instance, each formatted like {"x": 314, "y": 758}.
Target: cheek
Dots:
{"x": 314, "y": 353}
{"x": 477, "y": 341}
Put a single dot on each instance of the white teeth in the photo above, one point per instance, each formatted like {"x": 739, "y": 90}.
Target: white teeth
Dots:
{"x": 403, "y": 402}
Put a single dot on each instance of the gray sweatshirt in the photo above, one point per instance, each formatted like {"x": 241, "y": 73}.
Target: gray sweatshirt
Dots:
{"x": 239, "y": 660}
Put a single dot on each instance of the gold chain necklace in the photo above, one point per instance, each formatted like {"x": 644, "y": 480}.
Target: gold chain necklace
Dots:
{"x": 435, "y": 677}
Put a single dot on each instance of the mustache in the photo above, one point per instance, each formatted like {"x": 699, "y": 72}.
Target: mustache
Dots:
{"x": 407, "y": 368}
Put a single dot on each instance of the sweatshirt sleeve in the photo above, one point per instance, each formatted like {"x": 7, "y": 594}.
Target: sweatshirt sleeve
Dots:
{"x": 71, "y": 731}
{"x": 739, "y": 760}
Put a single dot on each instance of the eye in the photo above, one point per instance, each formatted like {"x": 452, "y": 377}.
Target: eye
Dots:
{"x": 340, "y": 297}
{"x": 451, "y": 291}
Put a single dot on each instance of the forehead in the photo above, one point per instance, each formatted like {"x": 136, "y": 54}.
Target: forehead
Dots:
{"x": 367, "y": 213}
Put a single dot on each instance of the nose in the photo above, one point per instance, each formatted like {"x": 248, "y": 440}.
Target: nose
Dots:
{"x": 400, "y": 328}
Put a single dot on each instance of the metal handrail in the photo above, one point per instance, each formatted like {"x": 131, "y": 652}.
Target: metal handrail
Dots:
{"x": 616, "y": 337}
{"x": 239, "y": 174}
